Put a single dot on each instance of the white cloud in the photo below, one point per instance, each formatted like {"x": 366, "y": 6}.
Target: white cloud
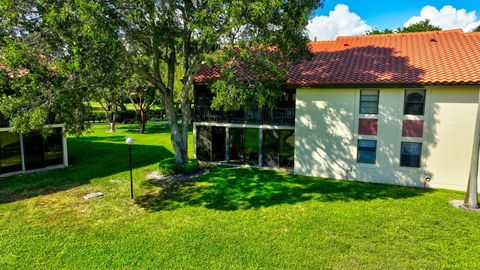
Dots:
{"x": 447, "y": 17}
{"x": 339, "y": 22}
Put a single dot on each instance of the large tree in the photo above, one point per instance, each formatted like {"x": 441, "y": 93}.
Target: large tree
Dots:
{"x": 148, "y": 35}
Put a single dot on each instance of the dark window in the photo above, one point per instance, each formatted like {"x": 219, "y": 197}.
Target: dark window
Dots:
{"x": 367, "y": 151}
{"x": 287, "y": 148}
{"x": 271, "y": 157}
{"x": 11, "y": 156}
{"x": 244, "y": 144}
{"x": 252, "y": 143}
{"x": 204, "y": 143}
{"x": 414, "y": 102}
{"x": 236, "y": 146}
{"x": 34, "y": 151}
{"x": 54, "y": 147}
{"x": 411, "y": 154}
{"x": 218, "y": 145}
{"x": 278, "y": 148}
{"x": 369, "y": 101}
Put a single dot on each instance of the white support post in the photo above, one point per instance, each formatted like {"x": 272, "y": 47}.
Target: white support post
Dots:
{"x": 195, "y": 140}
{"x": 64, "y": 147}
{"x": 260, "y": 147}
{"x": 22, "y": 152}
{"x": 227, "y": 145}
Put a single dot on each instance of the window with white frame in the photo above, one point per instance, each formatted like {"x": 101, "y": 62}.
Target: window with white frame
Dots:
{"x": 367, "y": 151}
{"x": 410, "y": 154}
{"x": 369, "y": 101}
{"x": 414, "y": 102}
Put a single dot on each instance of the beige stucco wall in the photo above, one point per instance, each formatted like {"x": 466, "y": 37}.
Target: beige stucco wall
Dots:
{"x": 326, "y": 136}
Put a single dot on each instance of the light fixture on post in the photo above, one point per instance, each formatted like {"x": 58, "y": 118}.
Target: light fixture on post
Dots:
{"x": 130, "y": 142}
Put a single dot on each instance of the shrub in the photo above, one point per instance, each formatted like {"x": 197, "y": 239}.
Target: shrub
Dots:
{"x": 169, "y": 167}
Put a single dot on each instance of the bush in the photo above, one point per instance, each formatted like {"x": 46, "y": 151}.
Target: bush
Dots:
{"x": 169, "y": 167}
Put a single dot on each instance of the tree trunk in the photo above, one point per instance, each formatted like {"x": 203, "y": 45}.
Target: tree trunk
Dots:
{"x": 143, "y": 121}
{"x": 113, "y": 122}
{"x": 471, "y": 199}
{"x": 176, "y": 132}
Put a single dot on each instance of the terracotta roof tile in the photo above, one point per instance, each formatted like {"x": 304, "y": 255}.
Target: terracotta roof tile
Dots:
{"x": 437, "y": 57}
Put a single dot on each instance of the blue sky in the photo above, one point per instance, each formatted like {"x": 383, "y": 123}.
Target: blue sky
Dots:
{"x": 393, "y": 14}
{"x": 365, "y": 14}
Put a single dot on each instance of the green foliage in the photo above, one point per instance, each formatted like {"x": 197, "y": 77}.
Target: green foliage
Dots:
{"x": 477, "y": 29}
{"x": 423, "y": 26}
{"x": 98, "y": 45}
{"x": 377, "y": 31}
{"x": 169, "y": 167}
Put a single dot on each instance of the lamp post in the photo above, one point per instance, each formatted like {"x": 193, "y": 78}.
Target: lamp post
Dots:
{"x": 130, "y": 142}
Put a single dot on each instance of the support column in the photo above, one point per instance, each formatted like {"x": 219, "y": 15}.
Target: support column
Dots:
{"x": 227, "y": 144}
{"x": 65, "y": 147}
{"x": 194, "y": 141}
{"x": 260, "y": 147}
{"x": 22, "y": 152}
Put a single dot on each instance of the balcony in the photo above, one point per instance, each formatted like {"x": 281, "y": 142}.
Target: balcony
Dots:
{"x": 275, "y": 116}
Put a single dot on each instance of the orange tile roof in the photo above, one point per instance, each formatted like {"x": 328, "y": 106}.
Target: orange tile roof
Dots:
{"x": 437, "y": 57}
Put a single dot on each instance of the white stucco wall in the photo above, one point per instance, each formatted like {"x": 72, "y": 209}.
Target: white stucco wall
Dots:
{"x": 326, "y": 136}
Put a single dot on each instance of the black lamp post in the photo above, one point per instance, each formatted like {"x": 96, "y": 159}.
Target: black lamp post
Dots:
{"x": 130, "y": 142}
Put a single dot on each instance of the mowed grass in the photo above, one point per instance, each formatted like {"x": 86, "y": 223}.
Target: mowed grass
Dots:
{"x": 228, "y": 219}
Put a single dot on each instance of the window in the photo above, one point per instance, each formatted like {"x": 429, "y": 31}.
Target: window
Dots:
{"x": 412, "y": 128}
{"x": 367, "y": 151}
{"x": 414, "y": 102}
{"x": 369, "y": 102}
{"x": 367, "y": 126}
{"x": 278, "y": 148}
{"x": 410, "y": 154}
{"x": 10, "y": 153}
{"x": 53, "y": 147}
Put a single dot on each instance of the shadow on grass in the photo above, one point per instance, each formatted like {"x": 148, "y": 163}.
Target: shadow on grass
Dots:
{"x": 232, "y": 189}
{"x": 89, "y": 159}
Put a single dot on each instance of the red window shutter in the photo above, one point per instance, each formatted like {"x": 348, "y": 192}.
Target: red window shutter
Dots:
{"x": 412, "y": 128}
{"x": 367, "y": 126}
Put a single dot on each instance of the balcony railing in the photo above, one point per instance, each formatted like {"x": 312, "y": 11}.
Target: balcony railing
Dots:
{"x": 275, "y": 116}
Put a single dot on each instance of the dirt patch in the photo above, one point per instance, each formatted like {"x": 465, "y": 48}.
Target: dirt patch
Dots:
{"x": 158, "y": 178}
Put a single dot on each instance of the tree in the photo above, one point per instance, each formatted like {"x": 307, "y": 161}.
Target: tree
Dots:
{"x": 146, "y": 35}
{"x": 477, "y": 29}
{"x": 111, "y": 99}
{"x": 36, "y": 89}
{"x": 143, "y": 97}
{"x": 377, "y": 31}
{"x": 52, "y": 72}
{"x": 423, "y": 26}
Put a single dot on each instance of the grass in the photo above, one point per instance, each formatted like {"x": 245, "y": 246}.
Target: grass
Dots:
{"x": 229, "y": 219}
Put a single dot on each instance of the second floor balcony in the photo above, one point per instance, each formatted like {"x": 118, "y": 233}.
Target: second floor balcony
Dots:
{"x": 265, "y": 116}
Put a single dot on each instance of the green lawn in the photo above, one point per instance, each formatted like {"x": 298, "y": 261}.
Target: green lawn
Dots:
{"x": 229, "y": 219}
